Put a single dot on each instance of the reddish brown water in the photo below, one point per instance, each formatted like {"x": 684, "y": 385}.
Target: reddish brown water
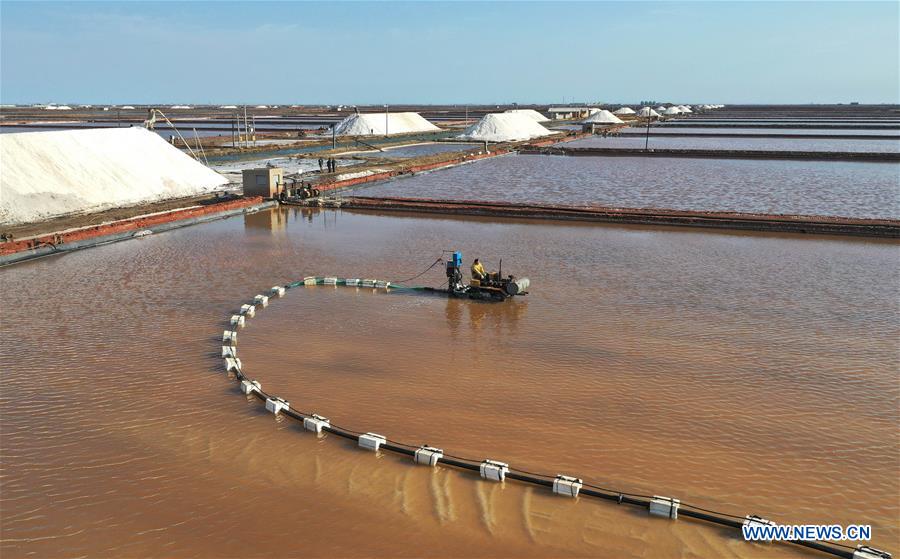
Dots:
{"x": 747, "y": 373}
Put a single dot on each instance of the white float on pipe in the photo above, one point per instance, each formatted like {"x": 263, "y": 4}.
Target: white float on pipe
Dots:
{"x": 567, "y": 485}
{"x": 372, "y": 441}
{"x": 248, "y": 310}
{"x": 277, "y": 290}
{"x": 237, "y": 320}
{"x": 330, "y": 281}
{"x": 753, "y": 521}
{"x": 664, "y": 506}
{"x": 249, "y": 386}
{"x": 232, "y": 364}
{"x": 382, "y": 284}
{"x": 229, "y": 351}
{"x": 229, "y": 336}
{"x": 368, "y": 283}
{"x": 316, "y": 423}
{"x": 309, "y": 280}
{"x": 494, "y": 470}
{"x": 275, "y": 404}
{"x": 261, "y": 300}
{"x": 428, "y": 455}
{"x": 352, "y": 282}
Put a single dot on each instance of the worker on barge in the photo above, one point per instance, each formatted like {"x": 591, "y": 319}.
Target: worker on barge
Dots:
{"x": 478, "y": 272}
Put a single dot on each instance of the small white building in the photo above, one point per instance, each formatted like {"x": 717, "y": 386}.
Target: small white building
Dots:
{"x": 267, "y": 182}
{"x": 568, "y": 113}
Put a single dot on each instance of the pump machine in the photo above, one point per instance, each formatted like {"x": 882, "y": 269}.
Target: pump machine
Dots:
{"x": 494, "y": 287}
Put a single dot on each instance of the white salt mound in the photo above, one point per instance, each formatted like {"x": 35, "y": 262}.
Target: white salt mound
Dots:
{"x": 50, "y": 174}
{"x": 624, "y": 111}
{"x": 602, "y": 117}
{"x": 647, "y": 112}
{"x": 373, "y": 124}
{"x": 504, "y": 127}
{"x": 530, "y": 113}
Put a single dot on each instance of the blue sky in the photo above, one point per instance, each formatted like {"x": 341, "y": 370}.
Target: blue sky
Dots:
{"x": 435, "y": 52}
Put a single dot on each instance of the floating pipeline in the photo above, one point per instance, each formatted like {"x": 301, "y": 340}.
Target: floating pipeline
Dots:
{"x": 12, "y": 252}
{"x": 877, "y": 157}
{"x": 487, "y": 469}
{"x": 819, "y": 225}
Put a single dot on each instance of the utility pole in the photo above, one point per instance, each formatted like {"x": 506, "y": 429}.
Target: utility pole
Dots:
{"x": 386, "y": 109}
{"x": 647, "y": 141}
{"x": 246, "y": 128}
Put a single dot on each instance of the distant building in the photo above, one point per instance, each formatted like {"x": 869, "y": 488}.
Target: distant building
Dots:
{"x": 267, "y": 182}
{"x": 568, "y": 113}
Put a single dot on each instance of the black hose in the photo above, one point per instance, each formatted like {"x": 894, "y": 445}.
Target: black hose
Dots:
{"x": 435, "y": 263}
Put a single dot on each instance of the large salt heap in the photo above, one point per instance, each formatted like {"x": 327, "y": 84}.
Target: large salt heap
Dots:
{"x": 531, "y": 113}
{"x": 504, "y": 127}
{"x": 50, "y": 174}
{"x": 647, "y": 112}
{"x": 373, "y": 124}
{"x": 602, "y": 117}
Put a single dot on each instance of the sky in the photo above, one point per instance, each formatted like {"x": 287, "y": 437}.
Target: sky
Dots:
{"x": 449, "y": 52}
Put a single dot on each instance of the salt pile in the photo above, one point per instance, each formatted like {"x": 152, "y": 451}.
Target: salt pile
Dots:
{"x": 50, "y": 174}
{"x": 504, "y": 127}
{"x": 671, "y": 111}
{"x": 530, "y": 113}
{"x": 373, "y": 124}
{"x": 602, "y": 117}
{"x": 624, "y": 111}
{"x": 647, "y": 112}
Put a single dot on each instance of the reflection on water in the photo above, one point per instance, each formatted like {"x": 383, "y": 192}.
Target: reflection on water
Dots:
{"x": 269, "y": 221}
{"x": 749, "y": 373}
{"x": 782, "y": 187}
